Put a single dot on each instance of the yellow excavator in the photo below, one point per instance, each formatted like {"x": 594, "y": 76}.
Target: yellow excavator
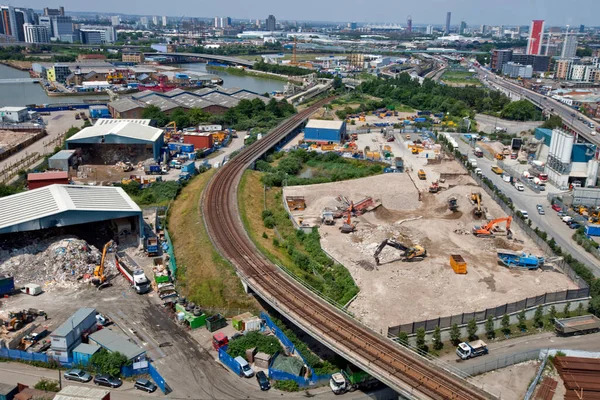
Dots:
{"x": 99, "y": 278}
{"x": 476, "y": 198}
{"x": 410, "y": 253}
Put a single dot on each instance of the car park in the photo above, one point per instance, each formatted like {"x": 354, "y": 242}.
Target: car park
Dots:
{"x": 145, "y": 384}
{"x": 77, "y": 375}
{"x": 263, "y": 381}
{"x": 108, "y": 381}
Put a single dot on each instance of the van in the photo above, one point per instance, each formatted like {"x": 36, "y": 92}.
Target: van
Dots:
{"x": 478, "y": 171}
{"x": 524, "y": 213}
{"x": 247, "y": 371}
{"x": 519, "y": 186}
{"x": 473, "y": 162}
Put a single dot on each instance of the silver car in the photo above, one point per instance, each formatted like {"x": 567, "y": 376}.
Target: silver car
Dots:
{"x": 77, "y": 375}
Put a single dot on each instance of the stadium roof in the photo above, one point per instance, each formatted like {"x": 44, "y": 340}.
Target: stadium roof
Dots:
{"x": 132, "y": 129}
{"x": 63, "y": 205}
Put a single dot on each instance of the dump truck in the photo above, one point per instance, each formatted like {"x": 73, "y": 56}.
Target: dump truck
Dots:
{"x": 136, "y": 277}
{"x": 577, "y": 325}
{"x": 466, "y": 350}
{"x": 421, "y": 174}
{"x": 348, "y": 381}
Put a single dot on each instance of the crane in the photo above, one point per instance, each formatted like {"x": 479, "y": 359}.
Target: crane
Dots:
{"x": 410, "y": 253}
{"x": 488, "y": 229}
{"x": 99, "y": 278}
{"x": 168, "y": 133}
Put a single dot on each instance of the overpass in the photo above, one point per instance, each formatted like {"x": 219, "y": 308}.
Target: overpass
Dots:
{"x": 411, "y": 375}
{"x": 210, "y": 57}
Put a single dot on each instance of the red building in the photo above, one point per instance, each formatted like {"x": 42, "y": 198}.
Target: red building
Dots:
{"x": 200, "y": 140}
{"x": 536, "y": 36}
{"x": 38, "y": 180}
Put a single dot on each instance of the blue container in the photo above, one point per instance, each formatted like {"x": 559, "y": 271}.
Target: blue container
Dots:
{"x": 191, "y": 156}
{"x": 189, "y": 167}
{"x": 420, "y": 119}
{"x": 7, "y": 285}
{"x": 592, "y": 230}
{"x": 174, "y": 146}
{"x": 187, "y": 148}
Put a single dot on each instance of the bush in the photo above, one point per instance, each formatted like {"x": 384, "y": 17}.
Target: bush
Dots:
{"x": 263, "y": 344}
{"x": 286, "y": 386}
{"x": 47, "y": 385}
{"x": 403, "y": 338}
{"x": 420, "y": 339}
{"x": 472, "y": 329}
{"x": 109, "y": 363}
{"x": 269, "y": 222}
{"x": 505, "y": 324}
{"x": 437, "y": 339}
{"x": 522, "y": 320}
{"x": 552, "y": 314}
{"x": 455, "y": 334}
{"x": 538, "y": 317}
{"x": 490, "y": 332}
{"x": 567, "y": 309}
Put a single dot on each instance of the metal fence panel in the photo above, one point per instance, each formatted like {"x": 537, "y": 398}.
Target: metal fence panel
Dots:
{"x": 418, "y": 325}
{"x": 511, "y": 308}
{"x": 431, "y": 324}
{"x": 159, "y": 380}
{"x": 445, "y": 322}
{"x": 521, "y": 305}
{"x": 456, "y": 319}
{"x": 480, "y": 316}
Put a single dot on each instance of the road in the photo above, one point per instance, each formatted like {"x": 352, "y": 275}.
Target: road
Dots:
{"x": 527, "y": 200}
{"x": 488, "y": 124}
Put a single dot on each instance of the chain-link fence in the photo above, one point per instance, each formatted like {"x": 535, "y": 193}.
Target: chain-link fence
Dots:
{"x": 501, "y": 362}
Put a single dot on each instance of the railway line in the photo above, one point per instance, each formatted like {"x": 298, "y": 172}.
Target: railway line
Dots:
{"x": 396, "y": 366}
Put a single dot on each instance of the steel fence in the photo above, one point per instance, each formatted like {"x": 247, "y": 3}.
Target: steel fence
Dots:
{"x": 158, "y": 379}
{"x": 501, "y": 362}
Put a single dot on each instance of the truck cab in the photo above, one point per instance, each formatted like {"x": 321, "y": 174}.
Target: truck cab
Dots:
{"x": 337, "y": 383}
{"x": 141, "y": 282}
{"x": 466, "y": 350}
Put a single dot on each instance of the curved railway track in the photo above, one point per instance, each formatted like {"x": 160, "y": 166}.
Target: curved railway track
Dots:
{"x": 396, "y": 366}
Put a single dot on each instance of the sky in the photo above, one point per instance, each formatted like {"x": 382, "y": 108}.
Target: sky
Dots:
{"x": 474, "y": 12}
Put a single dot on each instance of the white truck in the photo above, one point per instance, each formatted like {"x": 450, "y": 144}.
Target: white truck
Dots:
{"x": 466, "y": 350}
{"x": 136, "y": 277}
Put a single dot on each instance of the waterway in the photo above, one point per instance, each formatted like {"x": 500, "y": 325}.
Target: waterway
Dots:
{"x": 21, "y": 94}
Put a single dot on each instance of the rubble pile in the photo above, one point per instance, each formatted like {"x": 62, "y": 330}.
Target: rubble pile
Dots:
{"x": 53, "y": 262}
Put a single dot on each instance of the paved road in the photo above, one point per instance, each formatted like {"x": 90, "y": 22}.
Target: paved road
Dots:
{"x": 488, "y": 124}
{"x": 527, "y": 200}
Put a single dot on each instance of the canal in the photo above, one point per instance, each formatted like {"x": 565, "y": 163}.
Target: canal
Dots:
{"x": 21, "y": 94}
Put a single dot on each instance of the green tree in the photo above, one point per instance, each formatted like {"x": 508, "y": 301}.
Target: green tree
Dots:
{"x": 538, "y": 317}
{"x": 553, "y": 122}
{"x": 552, "y": 314}
{"x": 437, "y": 339}
{"x": 108, "y": 362}
{"x": 567, "y": 310}
{"x": 181, "y": 118}
{"x": 153, "y": 112}
{"x": 595, "y": 306}
{"x": 420, "y": 339}
{"x": 403, "y": 338}
{"x": 455, "y": 334}
{"x": 472, "y": 329}
{"x": 505, "y": 324}
{"x": 490, "y": 332}
{"x": 522, "y": 320}
{"x": 47, "y": 385}
{"x": 521, "y": 110}
{"x": 580, "y": 309}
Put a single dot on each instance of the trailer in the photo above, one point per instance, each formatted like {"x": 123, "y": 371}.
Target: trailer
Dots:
{"x": 136, "y": 277}
{"x": 348, "y": 381}
{"x": 577, "y": 325}
{"x": 512, "y": 259}
{"x": 466, "y": 350}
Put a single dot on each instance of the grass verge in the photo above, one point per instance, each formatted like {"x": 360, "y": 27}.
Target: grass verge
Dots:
{"x": 204, "y": 276}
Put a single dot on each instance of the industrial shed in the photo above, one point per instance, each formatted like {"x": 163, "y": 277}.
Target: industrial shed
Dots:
{"x": 317, "y": 130}
{"x": 113, "y": 342}
{"x": 68, "y": 206}
{"x": 133, "y": 139}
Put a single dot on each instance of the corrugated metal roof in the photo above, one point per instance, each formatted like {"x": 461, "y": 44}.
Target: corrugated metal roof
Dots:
{"x": 42, "y": 176}
{"x": 109, "y": 121}
{"x": 121, "y": 128}
{"x": 81, "y": 393}
{"x": 73, "y": 321}
{"x": 85, "y": 348}
{"x": 54, "y": 199}
{"x": 63, "y": 155}
{"x": 114, "y": 342}
{"x": 322, "y": 124}
{"x": 123, "y": 105}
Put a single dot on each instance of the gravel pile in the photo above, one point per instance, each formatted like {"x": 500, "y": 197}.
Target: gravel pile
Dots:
{"x": 53, "y": 262}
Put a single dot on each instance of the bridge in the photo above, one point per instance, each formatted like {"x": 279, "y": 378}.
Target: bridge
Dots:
{"x": 19, "y": 80}
{"x": 411, "y": 375}
{"x": 211, "y": 57}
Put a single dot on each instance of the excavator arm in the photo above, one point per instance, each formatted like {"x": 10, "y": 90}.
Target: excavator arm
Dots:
{"x": 487, "y": 230}
{"x": 99, "y": 277}
{"x": 408, "y": 252}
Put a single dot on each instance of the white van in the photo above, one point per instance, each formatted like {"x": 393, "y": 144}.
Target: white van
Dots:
{"x": 519, "y": 186}
{"x": 247, "y": 370}
{"x": 524, "y": 213}
{"x": 473, "y": 162}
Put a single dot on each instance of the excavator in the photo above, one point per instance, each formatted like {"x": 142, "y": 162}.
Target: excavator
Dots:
{"x": 476, "y": 198}
{"x": 488, "y": 229}
{"x": 99, "y": 278}
{"x": 435, "y": 187}
{"x": 410, "y": 253}
{"x": 348, "y": 226}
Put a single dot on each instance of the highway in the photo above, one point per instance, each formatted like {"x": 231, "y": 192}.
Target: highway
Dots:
{"x": 527, "y": 200}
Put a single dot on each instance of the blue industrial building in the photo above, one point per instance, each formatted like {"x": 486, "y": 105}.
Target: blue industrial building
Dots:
{"x": 141, "y": 139}
{"x": 317, "y": 130}
{"x": 83, "y": 353}
{"x": 99, "y": 112}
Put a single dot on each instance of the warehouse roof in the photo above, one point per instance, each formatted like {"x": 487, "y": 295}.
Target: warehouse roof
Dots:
{"x": 128, "y": 129}
{"x": 85, "y": 348}
{"x": 114, "y": 342}
{"x": 74, "y": 320}
{"x": 108, "y": 121}
{"x": 63, "y": 155}
{"x": 27, "y": 208}
{"x": 126, "y": 104}
{"x": 81, "y": 393}
{"x": 12, "y": 109}
{"x": 42, "y": 176}
{"x": 322, "y": 124}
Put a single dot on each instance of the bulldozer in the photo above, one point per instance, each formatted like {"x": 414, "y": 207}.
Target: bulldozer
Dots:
{"x": 99, "y": 279}
{"x": 410, "y": 253}
{"x": 488, "y": 229}
{"x": 18, "y": 319}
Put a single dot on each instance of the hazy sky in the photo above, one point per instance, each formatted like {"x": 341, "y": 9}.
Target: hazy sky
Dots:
{"x": 475, "y": 12}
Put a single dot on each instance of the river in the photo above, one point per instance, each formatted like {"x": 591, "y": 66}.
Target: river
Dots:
{"x": 21, "y": 94}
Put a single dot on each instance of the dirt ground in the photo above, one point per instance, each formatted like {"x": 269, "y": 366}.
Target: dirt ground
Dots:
{"x": 430, "y": 224}
{"x": 10, "y": 139}
{"x": 510, "y": 382}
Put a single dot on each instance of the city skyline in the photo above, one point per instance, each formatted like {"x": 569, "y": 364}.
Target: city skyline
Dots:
{"x": 554, "y": 12}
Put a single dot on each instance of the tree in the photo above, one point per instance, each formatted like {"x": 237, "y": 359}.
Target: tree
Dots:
{"x": 472, "y": 329}
{"x": 421, "y": 339}
{"x": 109, "y": 363}
{"x": 47, "y": 385}
{"x": 403, "y": 338}
{"x": 489, "y": 328}
{"x": 455, "y": 334}
{"x": 552, "y": 314}
{"x": 553, "y": 122}
{"x": 595, "y": 306}
{"x": 522, "y": 319}
{"x": 567, "y": 310}
{"x": 580, "y": 309}
{"x": 153, "y": 112}
{"x": 521, "y": 110}
{"x": 505, "y": 324}
{"x": 538, "y": 317}
{"x": 437, "y": 339}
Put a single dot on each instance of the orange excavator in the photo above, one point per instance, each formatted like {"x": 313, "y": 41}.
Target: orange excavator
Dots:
{"x": 348, "y": 226}
{"x": 488, "y": 229}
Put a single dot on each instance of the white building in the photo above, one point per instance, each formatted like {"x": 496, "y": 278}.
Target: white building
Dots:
{"x": 115, "y": 20}
{"x": 164, "y": 20}
{"x": 429, "y": 30}
{"x": 13, "y": 114}
{"x": 36, "y": 33}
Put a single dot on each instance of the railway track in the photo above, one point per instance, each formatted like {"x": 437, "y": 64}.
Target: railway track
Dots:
{"x": 396, "y": 366}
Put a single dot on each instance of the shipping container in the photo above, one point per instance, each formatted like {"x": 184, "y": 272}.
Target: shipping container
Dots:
{"x": 7, "y": 284}
{"x": 189, "y": 167}
{"x": 174, "y": 146}
{"x": 187, "y": 148}
{"x": 420, "y": 120}
{"x": 252, "y": 324}
{"x": 215, "y": 322}
{"x": 592, "y": 230}
{"x": 200, "y": 140}
{"x": 238, "y": 321}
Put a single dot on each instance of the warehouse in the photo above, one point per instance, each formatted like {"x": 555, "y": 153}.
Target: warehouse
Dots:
{"x": 62, "y": 161}
{"x": 126, "y": 108}
{"x": 69, "y": 209}
{"x": 36, "y": 180}
{"x": 68, "y": 336}
{"x": 317, "y": 130}
{"x": 110, "y": 141}
{"x": 113, "y": 342}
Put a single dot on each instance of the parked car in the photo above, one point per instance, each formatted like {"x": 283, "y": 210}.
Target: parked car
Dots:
{"x": 561, "y": 214}
{"x": 540, "y": 209}
{"x": 77, "y": 375}
{"x": 263, "y": 381}
{"x": 573, "y": 225}
{"x": 107, "y": 380}
{"x": 145, "y": 384}
{"x": 567, "y": 219}
{"x": 556, "y": 207}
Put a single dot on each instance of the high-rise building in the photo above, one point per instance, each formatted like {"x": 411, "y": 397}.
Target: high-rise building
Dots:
{"x": 581, "y": 28}
{"x": 62, "y": 28}
{"x": 218, "y": 22}
{"x": 562, "y": 68}
{"x": 155, "y": 20}
{"x": 499, "y": 58}
{"x": 429, "y": 30}
{"x": 97, "y": 34}
{"x": 164, "y": 20}
{"x": 226, "y": 21}
{"x": 36, "y": 33}
{"x": 47, "y": 22}
{"x": 409, "y": 24}
{"x": 463, "y": 27}
{"x": 8, "y": 21}
{"x": 484, "y": 29}
{"x": 115, "y": 20}
{"x": 54, "y": 12}
{"x": 539, "y": 63}
{"x": 536, "y": 35}
{"x": 569, "y": 49}
{"x": 352, "y": 26}
{"x": 144, "y": 21}
{"x": 271, "y": 23}
{"x": 20, "y": 20}
{"x": 448, "y": 16}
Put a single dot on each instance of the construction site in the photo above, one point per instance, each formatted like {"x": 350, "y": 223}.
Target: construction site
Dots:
{"x": 432, "y": 232}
